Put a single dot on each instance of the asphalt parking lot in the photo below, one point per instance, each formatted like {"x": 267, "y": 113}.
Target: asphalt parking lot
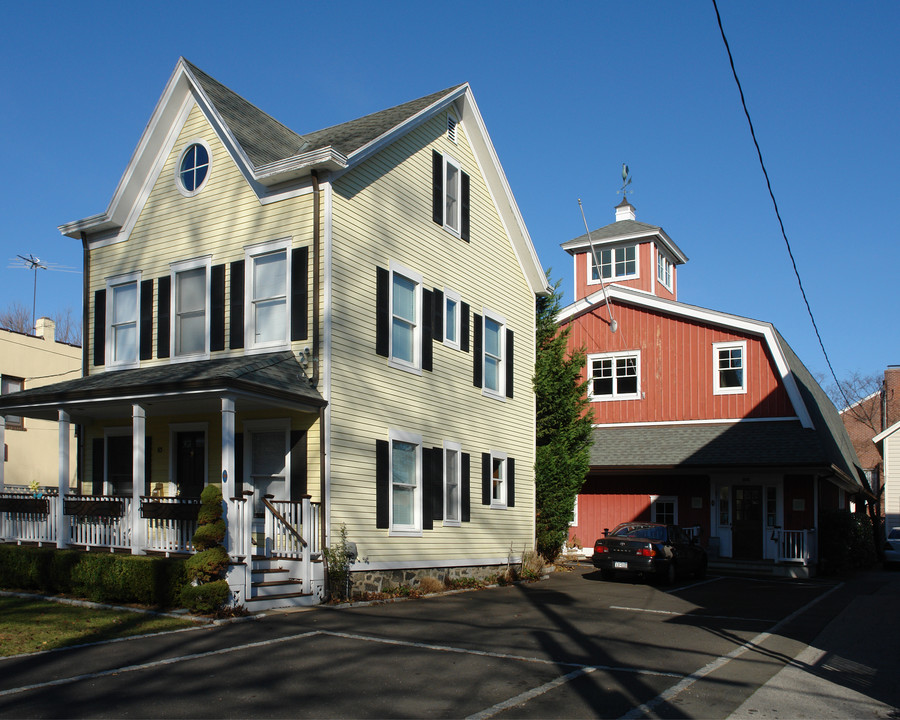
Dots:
{"x": 569, "y": 646}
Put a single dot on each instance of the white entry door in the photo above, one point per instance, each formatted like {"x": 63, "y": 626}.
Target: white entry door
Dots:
{"x": 267, "y": 470}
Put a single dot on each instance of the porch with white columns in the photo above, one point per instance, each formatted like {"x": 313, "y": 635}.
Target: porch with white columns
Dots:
{"x": 62, "y": 527}
{"x": 2, "y": 450}
{"x": 138, "y": 475}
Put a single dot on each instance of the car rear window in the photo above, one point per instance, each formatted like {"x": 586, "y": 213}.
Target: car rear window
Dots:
{"x": 657, "y": 534}
{"x": 895, "y": 534}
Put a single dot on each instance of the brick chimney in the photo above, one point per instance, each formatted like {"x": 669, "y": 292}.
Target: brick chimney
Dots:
{"x": 45, "y": 328}
{"x": 891, "y": 396}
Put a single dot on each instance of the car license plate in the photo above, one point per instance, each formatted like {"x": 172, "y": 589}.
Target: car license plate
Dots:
{"x": 620, "y": 565}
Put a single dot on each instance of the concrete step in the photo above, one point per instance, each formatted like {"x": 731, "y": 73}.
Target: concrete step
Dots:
{"x": 284, "y": 600}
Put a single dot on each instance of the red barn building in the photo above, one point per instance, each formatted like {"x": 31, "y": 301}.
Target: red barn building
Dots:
{"x": 702, "y": 418}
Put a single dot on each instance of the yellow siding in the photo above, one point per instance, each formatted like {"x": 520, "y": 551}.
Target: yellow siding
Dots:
{"x": 382, "y": 213}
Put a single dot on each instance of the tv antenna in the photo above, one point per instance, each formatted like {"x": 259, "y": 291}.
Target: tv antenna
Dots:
{"x": 626, "y": 181}
{"x": 613, "y": 325}
{"x": 31, "y": 262}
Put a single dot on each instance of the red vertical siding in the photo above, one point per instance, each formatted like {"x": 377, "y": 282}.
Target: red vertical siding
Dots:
{"x": 646, "y": 271}
{"x": 676, "y": 368}
{"x": 800, "y": 488}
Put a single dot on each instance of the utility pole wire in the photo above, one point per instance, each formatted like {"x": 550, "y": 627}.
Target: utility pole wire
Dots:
{"x": 775, "y": 204}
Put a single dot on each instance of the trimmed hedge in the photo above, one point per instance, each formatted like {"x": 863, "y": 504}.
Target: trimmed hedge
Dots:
{"x": 101, "y": 577}
{"x": 845, "y": 542}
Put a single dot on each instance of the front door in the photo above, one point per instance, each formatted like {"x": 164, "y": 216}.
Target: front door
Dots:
{"x": 267, "y": 475}
{"x": 190, "y": 462}
{"x": 747, "y": 524}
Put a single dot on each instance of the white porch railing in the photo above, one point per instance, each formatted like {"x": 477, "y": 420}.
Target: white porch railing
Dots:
{"x": 26, "y": 518}
{"x": 796, "y": 546}
{"x": 99, "y": 521}
{"x": 170, "y": 523}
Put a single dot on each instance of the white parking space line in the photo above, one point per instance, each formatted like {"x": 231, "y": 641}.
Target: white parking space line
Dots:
{"x": 696, "y": 584}
{"x": 530, "y": 694}
{"x": 713, "y": 665}
{"x": 689, "y": 615}
{"x": 158, "y": 663}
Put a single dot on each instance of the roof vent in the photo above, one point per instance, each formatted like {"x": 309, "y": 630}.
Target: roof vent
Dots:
{"x": 451, "y": 128}
{"x": 624, "y": 211}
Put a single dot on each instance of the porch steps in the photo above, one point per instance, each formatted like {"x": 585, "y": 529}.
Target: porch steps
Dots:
{"x": 271, "y": 586}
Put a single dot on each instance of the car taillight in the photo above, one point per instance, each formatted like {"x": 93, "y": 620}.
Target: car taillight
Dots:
{"x": 647, "y": 552}
{"x": 601, "y": 548}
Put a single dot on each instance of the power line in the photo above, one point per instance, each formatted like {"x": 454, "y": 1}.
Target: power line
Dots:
{"x": 774, "y": 203}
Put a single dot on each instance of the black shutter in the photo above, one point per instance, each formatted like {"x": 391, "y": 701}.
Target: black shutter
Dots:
{"x": 236, "y": 303}
{"x": 299, "y": 293}
{"x": 98, "y": 456}
{"x": 464, "y": 327}
{"x": 437, "y": 187}
{"x": 477, "y": 359}
{"x": 464, "y": 208}
{"x": 485, "y": 478}
{"x": 163, "y": 303}
{"x": 427, "y": 488}
{"x": 509, "y": 363}
{"x": 146, "y": 352}
{"x": 382, "y": 484}
{"x": 99, "y": 327}
{"x": 437, "y": 479}
{"x": 464, "y": 494}
{"x": 382, "y": 312}
{"x": 510, "y": 482}
{"x": 238, "y": 465}
{"x": 437, "y": 327}
{"x": 427, "y": 330}
{"x": 298, "y": 465}
{"x": 217, "y": 308}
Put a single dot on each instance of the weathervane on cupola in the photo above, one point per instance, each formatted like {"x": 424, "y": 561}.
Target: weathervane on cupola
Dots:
{"x": 626, "y": 181}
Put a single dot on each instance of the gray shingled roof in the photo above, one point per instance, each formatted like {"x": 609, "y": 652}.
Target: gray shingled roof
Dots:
{"x": 274, "y": 374}
{"x": 691, "y": 446}
{"x": 265, "y": 140}
{"x": 613, "y": 230}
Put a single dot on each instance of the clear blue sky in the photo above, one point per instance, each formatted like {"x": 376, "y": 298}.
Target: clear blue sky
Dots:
{"x": 568, "y": 91}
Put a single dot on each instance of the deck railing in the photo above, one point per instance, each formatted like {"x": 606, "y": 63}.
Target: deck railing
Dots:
{"x": 27, "y": 518}
{"x": 99, "y": 521}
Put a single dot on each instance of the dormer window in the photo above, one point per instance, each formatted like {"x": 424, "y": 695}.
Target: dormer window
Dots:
{"x": 614, "y": 264}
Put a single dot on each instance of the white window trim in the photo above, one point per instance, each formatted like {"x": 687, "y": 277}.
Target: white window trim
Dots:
{"x": 252, "y": 252}
{"x": 414, "y": 530}
{"x": 614, "y": 278}
{"x": 661, "y": 257}
{"x": 268, "y": 425}
{"x": 664, "y": 498}
{"x": 415, "y": 366}
{"x": 500, "y": 504}
{"x": 174, "y": 429}
{"x": 447, "y": 226}
{"x": 457, "y": 448}
{"x": 616, "y": 396}
{"x": 176, "y": 268}
{"x": 717, "y": 390}
{"x": 188, "y": 145}
{"x": 111, "y": 283}
{"x": 455, "y": 297}
{"x": 574, "y": 521}
{"x": 500, "y": 393}
{"x": 14, "y": 422}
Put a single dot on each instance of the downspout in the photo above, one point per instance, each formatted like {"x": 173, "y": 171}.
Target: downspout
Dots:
{"x": 317, "y": 238}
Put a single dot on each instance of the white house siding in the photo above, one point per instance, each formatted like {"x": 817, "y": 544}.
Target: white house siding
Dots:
{"x": 892, "y": 480}
{"x": 221, "y": 220}
{"x": 382, "y": 213}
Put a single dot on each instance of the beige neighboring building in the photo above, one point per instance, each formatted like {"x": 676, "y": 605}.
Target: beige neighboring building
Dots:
{"x": 31, "y": 447}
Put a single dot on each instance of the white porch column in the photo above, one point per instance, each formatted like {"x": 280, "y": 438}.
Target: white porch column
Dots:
{"x": 228, "y": 489}
{"x": 2, "y": 451}
{"x": 62, "y": 528}
{"x": 138, "y": 444}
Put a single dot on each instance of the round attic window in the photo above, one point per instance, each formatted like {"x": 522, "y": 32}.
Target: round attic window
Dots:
{"x": 193, "y": 169}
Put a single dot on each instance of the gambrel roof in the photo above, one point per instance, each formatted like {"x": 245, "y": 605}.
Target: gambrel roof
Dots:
{"x": 817, "y": 436}
{"x": 274, "y": 159}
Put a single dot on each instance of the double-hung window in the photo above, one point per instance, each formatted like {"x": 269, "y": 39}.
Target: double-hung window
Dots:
{"x": 452, "y": 178}
{"x": 122, "y": 313}
{"x": 9, "y": 385}
{"x": 614, "y": 376}
{"x": 499, "y": 484}
{"x": 452, "y": 475}
{"x": 618, "y": 263}
{"x": 494, "y": 355}
{"x": 190, "y": 304}
{"x": 267, "y": 311}
{"x": 730, "y": 377}
{"x": 406, "y": 320}
{"x": 452, "y": 315}
{"x": 664, "y": 270}
{"x": 406, "y": 483}
{"x": 664, "y": 509}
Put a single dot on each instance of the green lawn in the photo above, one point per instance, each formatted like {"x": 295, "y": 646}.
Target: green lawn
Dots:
{"x": 29, "y": 625}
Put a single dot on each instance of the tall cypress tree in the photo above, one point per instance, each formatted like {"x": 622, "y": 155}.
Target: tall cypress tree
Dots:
{"x": 563, "y": 427}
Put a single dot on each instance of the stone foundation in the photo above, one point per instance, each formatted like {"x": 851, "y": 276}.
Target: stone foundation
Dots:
{"x": 376, "y": 581}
